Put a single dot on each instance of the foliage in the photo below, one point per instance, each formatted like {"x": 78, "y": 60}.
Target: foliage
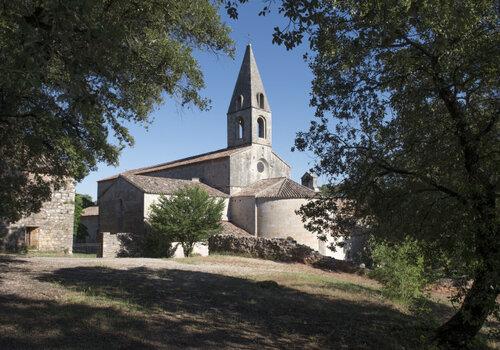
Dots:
{"x": 401, "y": 269}
{"x": 157, "y": 245}
{"x": 406, "y": 98}
{"x": 82, "y": 201}
{"x": 190, "y": 215}
{"x": 75, "y": 74}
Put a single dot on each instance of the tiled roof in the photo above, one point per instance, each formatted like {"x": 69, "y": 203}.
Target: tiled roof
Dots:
{"x": 280, "y": 187}
{"x": 229, "y": 228}
{"x": 161, "y": 185}
{"x": 90, "y": 211}
{"x": 222, "y": 153}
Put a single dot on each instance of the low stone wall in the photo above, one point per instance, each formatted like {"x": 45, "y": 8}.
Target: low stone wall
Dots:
{"x": 278, "y": 249}
{"x": 130, "y": 245}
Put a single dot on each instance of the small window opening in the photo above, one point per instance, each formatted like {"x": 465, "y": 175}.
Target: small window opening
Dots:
{"x": 262, "y": 127}
{"x": 260, "y": 100}
{"x": 239, "y": 102}
{"x": 241, "y": 127}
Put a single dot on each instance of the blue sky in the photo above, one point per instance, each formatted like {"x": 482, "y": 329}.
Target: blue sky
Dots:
{"x": 178, "y": 132}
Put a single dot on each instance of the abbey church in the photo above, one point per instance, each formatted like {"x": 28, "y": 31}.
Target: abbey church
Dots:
{"x": 253, "y": 180}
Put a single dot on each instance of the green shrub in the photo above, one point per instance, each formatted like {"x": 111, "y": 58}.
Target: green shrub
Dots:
{"x": 156, "y": 245}
{"x": 401, "y": 269}
{"x": 190, "y": 215}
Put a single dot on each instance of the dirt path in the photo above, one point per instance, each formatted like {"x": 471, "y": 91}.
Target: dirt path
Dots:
{"x": 197, "y": 303}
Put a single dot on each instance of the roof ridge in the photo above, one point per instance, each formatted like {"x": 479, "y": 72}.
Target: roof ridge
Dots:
{"x": 271, "y": 185}
{"x": 186, "y": 158}
{"x": 141, "y": 182}
{"x": 142, "y": 170}
{"x": 281, "y": 186}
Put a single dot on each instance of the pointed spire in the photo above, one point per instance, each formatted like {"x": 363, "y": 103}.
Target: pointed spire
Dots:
{"x": 249, "y": 90}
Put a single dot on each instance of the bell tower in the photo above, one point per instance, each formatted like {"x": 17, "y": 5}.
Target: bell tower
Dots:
{"x": 249, "y": 116}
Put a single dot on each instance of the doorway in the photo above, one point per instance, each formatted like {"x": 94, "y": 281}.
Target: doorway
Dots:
{"x": 32, "y": 234}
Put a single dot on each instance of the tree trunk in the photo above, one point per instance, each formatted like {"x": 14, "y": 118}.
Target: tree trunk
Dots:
{"x": 478, "y": 303}
{"x": 188, "y": 249}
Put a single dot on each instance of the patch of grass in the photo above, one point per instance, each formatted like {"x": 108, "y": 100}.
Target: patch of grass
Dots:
{"x": 57, "y": 254}
{"x": 221, "y": 258}
{"x": 325, "y": 284}
{"x": 95, "y": 297}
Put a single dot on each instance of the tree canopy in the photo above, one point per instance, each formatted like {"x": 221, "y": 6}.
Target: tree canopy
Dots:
{"x": 74, "y": 73}
{"x": 190, "y": 215}
{"x": 406, "y": 127}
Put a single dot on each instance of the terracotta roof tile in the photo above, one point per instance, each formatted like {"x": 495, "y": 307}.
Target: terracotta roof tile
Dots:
{"x": 280, "y": 187}
{"x": 90, "y": 211}
{"x": 161, "y": 185}
{"x": 229, "y": 228}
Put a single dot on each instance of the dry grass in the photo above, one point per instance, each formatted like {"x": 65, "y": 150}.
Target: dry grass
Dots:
{"x": 56, "y": 254}
{"x": 219, "y": 302}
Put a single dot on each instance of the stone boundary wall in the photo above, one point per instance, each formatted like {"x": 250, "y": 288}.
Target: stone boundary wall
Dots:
{"x": 110, "y": 245}
{"x": 278, "y": 249}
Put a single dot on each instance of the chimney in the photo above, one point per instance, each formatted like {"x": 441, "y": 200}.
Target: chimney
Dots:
{"x": 310, "y": 180}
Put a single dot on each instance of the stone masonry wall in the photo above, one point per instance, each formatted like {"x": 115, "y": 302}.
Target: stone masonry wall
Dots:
{"x": 110, "y": 245}
{"x": 54, "y": 221}
{"x": 278, "y": 249}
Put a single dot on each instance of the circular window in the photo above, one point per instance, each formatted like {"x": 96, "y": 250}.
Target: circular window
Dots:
{"x": 260, "y": 167}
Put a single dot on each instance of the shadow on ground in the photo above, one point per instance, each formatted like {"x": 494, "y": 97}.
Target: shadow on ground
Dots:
{"x": 11, "y": 264}
{"x": 188, "y": 309}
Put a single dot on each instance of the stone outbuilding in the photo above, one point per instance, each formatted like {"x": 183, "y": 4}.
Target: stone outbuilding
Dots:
{"x": 261, "y": 199}
{"x": 49, "y": 230}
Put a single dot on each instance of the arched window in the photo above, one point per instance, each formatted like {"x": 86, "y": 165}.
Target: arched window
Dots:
{"x": 261, "y": 123}
{"x": 239, "y": 102}
{"x": 260, "y": 100}
{"x": 241, "y": 127}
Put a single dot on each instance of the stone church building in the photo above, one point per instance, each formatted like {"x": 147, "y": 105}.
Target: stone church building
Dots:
{"x": 253, "y": 180}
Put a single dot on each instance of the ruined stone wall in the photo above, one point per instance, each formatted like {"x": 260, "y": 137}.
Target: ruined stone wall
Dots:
{"x": 110, "y": 245}
{"x": 54, "y": 222}
{"x": 278, "y": 249}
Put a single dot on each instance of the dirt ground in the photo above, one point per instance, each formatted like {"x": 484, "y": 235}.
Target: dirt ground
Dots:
{"x": 217, "y": 302}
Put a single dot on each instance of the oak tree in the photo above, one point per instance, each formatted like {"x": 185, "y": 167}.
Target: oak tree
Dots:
{"x": 406, "y": 127}
{"x": 74, "y": 74}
